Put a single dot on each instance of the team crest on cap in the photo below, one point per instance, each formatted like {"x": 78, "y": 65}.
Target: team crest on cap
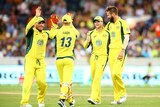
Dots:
{"x": 40, "y": 42}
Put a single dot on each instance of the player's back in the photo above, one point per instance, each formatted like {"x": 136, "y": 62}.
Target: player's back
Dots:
{"x": 65, "y": 41}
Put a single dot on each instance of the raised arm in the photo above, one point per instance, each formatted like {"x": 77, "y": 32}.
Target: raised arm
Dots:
{"x": 87, "y": 41}
{"x": 33, "y": 20}
{"x": 54, "y": 25}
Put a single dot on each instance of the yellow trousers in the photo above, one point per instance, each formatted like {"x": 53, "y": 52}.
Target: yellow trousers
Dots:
{"x": 34, "y": 68}
{"x": 97, "y": 65}
{"x": 65, "y": 67}
{"x": 116, "y": 68}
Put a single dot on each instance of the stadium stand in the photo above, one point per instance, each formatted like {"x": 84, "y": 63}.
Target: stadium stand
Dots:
{"x": 145, "y": 36}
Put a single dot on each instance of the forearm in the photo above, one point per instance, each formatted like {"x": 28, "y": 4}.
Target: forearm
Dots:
{"x": 53, "y": 32}
{"x": 126, "y": 41}
{"x": 31, "y": 23}
{"x": 86, "y": 44}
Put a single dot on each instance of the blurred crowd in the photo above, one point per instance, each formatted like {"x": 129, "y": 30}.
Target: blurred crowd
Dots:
{"x": 145, "y": 34}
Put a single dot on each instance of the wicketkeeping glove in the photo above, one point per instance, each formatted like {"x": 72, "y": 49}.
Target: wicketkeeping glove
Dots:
{"x": 70, "y": 14}
{"x": 54, "y": 18}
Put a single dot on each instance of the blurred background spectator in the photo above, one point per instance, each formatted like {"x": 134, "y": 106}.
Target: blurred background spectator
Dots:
{"x": 143, "y": 17}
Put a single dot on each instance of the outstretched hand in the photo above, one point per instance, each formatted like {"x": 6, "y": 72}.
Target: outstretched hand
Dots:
{"x": 38, "y": 11}
{"x": 54, "y": 18}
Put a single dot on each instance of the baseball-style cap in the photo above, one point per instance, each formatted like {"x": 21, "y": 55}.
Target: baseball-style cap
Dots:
{"x": 67, "y": 18}
{"x": 40, "y": 19}
{"x": 98, "y": 18}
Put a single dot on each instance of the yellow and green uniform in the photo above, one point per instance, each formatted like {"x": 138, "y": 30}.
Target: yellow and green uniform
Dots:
{"x": 35, "y": 64}
{"x": 117, "y": 31}
{"x": 98, "y": 60}
{"x": 65, "y": 38}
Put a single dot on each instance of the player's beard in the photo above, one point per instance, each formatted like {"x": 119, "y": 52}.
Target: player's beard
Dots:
{"x": 40, "y": 28}
{"x": 111, "y": 19}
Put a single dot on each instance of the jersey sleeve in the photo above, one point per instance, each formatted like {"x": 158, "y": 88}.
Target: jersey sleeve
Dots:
{"x": 30, "y": 24}
{"x": 86, "y": 44}
{"x": 108, "y": 42}
{"x": 53, "y": 32}
{"x": 107, "y": 26}
{"x": 126, "y": 28}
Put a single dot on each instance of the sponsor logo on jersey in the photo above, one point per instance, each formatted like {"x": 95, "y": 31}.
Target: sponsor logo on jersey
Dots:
{"x": 40, "y": 42}
{"x": 113, "y": 35}
{"x": 98, "y": 42}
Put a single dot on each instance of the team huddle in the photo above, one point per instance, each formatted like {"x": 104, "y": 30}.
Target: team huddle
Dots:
{"x": 108, "y": 43}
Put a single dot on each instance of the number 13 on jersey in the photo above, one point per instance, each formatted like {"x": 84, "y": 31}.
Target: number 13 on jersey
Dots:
{"x": 66, "y": 41}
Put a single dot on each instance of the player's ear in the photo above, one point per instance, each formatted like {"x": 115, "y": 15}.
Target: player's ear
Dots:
{"x": 35, "y": 25}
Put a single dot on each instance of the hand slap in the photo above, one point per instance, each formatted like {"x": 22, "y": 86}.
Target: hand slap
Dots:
{"x": 54, "y": 18}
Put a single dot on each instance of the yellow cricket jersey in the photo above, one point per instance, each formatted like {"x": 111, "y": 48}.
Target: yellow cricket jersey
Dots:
{"x": 36, "y": 41}
{"x": 65, "y": 38}
{"x": 99, "y": 42}
{"x": 117, "y": 31}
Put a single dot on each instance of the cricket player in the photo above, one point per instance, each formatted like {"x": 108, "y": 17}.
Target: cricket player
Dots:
{"x": 65, "y": 42}
{"x": 35, "y": 65}
{"x": 99, "y": 39}
{"x": 120, "y": 33}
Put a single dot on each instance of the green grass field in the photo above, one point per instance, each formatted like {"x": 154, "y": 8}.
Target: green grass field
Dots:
{"x": 10, "y": 96}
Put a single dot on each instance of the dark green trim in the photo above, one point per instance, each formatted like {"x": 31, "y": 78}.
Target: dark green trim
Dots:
{"x": 122, "y": 32}
{"x": 38, "y": 62}
{"x": 122, "y": 36}
{"x": 105, "y": 63}
{"x": 90, "y": 43}
{"x": 108, "y": 42}
{"x": 55, "y": 45}
{"x": 73, "y": 52}
{"x": 47, "y": 33}
{"x": 29, "y": 40}
{"x": 91, "y": 32}
{"x": 108, "y": 25}
{"x": 28, "y": 34}
{"x": 124, "y": 59}
{"x": 126, "y": 51}
{"x": 65, "y": 57}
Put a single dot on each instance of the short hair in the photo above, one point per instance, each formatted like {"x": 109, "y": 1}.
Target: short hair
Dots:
{"x": 112, "y": 9}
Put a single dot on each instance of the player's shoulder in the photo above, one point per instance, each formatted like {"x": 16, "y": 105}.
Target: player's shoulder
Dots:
{"x": 122, "y": 21}
{"x": 91, "y": 32}
{"x": 106, "y": 30}
{"x": 46, "y": 32}
{"x": 74, "y": 30}
{"x": 107, "y": 25}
